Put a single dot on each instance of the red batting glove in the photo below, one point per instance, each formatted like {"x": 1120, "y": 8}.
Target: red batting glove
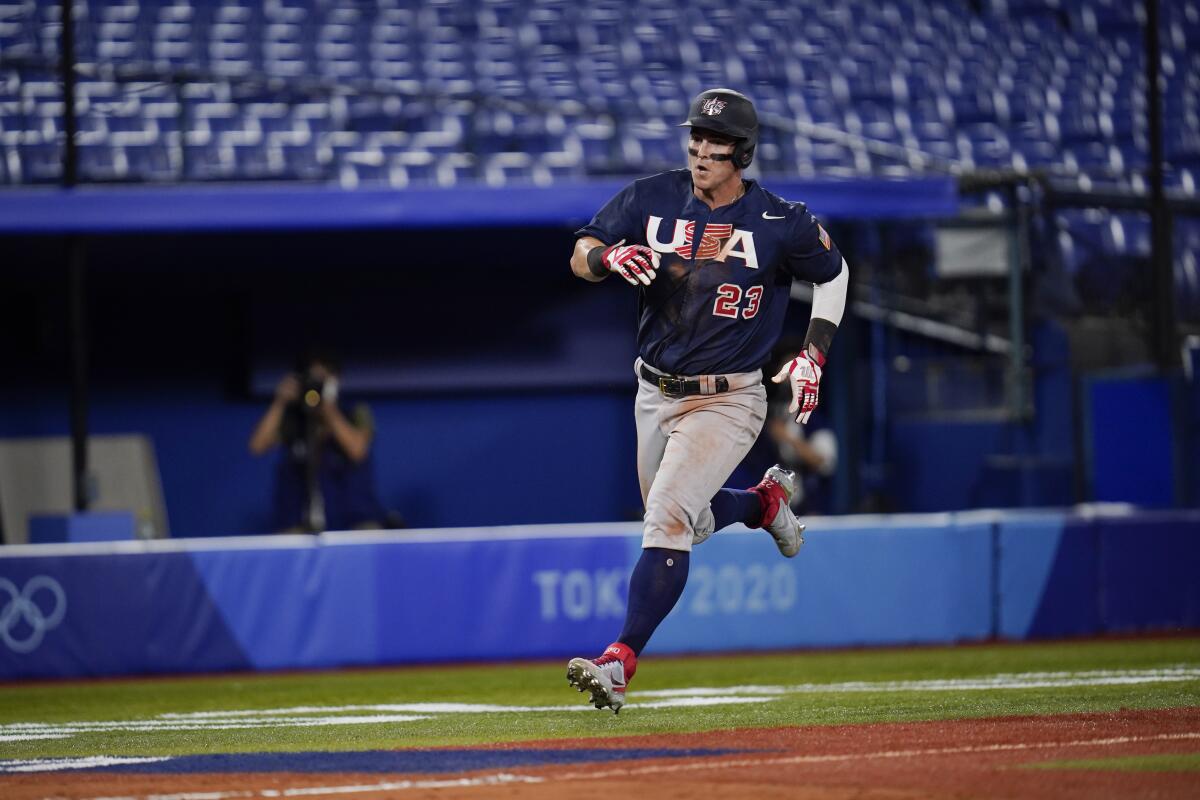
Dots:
{"x": 804, "y": 374}
{"x": 635, "y": 263}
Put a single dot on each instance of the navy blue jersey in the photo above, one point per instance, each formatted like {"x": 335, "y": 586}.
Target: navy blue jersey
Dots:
{"x": 718, "y": 303}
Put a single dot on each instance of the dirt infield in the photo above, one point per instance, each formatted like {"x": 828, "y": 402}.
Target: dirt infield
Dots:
{"x": 957, "y": 759}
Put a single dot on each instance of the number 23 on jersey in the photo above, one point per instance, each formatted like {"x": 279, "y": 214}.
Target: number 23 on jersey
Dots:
{"x": 729, "y": 301}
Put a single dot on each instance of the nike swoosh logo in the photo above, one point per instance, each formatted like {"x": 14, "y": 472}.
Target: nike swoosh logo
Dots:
{"x": 768, "y": 216}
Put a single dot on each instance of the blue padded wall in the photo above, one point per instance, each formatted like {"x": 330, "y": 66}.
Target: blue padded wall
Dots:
{"x": 550, "y": 591}
{"x": 1048, "y": 577}
{"x": 1150, "y": 571}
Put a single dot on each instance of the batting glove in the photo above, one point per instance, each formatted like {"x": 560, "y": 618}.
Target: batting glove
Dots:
{"x": 804, "y": 374}
{"x": 635, "y": 263}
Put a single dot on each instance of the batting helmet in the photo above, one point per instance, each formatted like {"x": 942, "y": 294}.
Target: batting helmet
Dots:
{"x": 729, "y": 113}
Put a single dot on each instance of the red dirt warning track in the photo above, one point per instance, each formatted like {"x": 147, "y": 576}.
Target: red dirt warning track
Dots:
{"x": 945, "y": 759}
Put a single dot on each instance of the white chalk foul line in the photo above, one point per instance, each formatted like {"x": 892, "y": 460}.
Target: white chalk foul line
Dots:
{"x": 453, "y": 783}
{"x": 715, "y": 697}
{"x": 697, "y": 696}
{"x": 656, "y": 769}
{"x": 333, "y": 715}
{"x": 499, "y": 779}
{"x": 87, "y": 762}
{"x": 181, "y": 796}
{"x": 1022, "y": 680}
{"x": 26, "y": 731}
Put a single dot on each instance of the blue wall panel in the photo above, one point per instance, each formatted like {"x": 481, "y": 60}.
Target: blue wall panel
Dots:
{"x": 1027, "y": 549}
{"x": 111, "y": 615}
{"x": 740, "y": 595}
{"x": 848, "y": 586}
{"x": 300, "y": 606}
{"x": 500, "y": 599}
{"x": 1150, "y": 571}
{"x": 1048, "y": 572}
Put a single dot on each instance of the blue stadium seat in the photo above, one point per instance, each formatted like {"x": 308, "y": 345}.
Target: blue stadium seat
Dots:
{"x": 1031, "y": 151}
{"x": 1182, "y": 148}
{"x": 152, "y": 162}
{"x": 500, "y": 169}
{"x": 974, "y": 106}
{"x": 102, "y": 162}
{"x": 551, "y": 24}
{"x": 174, "y": 48}
{"x": 874, "y": 121}
{"x": 499, "y": 131}
{"x": 565, "y": 165}
{"x": 832, "y": 159}
{"x": 300, "y": 160}
{"x": 40, "y": 163}
{"x": 777, "y": 153}
{"x": 943, "y": 149}
{"x": 457, "y": 168}
{"x": 1186, "y": 237}
{"x": 990, "y": 147}
{"x": 1093, "y": 158}
{"x": 410, "y": 168}
{"x": 18, "y": 33}
{"x": 207, "y": 161}
{"x": 362, "y": 168}
{"x": 651, "y": 147}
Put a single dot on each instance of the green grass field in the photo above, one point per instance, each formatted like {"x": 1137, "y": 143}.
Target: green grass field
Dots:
{"x": 1185, "y": 762}
{"x": 410, "y": 707}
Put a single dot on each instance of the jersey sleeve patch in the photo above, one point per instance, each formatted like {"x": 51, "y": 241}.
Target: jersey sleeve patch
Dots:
{"x": 813, "y": 256}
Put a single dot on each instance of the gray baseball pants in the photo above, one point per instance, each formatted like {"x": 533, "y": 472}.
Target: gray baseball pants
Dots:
{"x": 687, "y": 448}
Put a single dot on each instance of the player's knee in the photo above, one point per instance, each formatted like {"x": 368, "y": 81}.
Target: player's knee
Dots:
{"x": 668, "y": 521}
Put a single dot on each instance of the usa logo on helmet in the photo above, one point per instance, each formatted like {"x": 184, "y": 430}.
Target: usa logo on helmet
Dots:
{"x": 712, "y": 106}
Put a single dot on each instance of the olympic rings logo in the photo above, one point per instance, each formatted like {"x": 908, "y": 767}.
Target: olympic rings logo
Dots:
{"x": 21, "y": 606}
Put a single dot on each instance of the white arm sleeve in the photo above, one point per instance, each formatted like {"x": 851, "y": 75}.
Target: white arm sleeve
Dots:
{"x": 829, "y": 299}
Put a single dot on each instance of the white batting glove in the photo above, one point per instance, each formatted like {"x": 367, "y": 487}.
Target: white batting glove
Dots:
{"x": 804, "y": 374}
{"x": 635, "y": 263}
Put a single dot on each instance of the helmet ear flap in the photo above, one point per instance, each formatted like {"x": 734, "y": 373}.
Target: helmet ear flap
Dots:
{"x": 743, "y": 152}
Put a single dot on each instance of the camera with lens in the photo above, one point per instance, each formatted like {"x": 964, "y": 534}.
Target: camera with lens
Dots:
{"x": 312, "y": 392}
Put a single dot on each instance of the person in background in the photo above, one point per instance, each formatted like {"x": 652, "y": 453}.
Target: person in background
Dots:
{"x": 325, "y": 478}
{"x": 811, "y": 451}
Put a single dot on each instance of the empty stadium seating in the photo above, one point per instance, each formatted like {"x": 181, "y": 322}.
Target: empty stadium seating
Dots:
{"x": 450, "y": 91}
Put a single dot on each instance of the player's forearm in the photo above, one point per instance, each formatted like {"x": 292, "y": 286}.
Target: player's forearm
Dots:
{"x": 829, "y": 304}
{"x": 354, "y": 442}
{"x": 266, "y": 433}
{"x": 579, "y": 260}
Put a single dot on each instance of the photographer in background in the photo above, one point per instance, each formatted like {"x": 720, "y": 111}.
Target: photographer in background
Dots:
{"x": 324, "y": 479}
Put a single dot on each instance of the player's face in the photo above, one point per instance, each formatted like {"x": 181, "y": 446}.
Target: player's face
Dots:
{"x": 710, "y": 160}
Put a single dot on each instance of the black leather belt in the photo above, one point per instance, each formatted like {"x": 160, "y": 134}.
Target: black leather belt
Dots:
{"x": 672, "y": 386}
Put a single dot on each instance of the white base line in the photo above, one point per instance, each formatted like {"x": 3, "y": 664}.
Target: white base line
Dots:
{"x": 730, "y": 763}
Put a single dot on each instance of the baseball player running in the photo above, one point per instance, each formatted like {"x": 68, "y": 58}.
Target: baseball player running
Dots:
{"x": 713, "y": 256}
